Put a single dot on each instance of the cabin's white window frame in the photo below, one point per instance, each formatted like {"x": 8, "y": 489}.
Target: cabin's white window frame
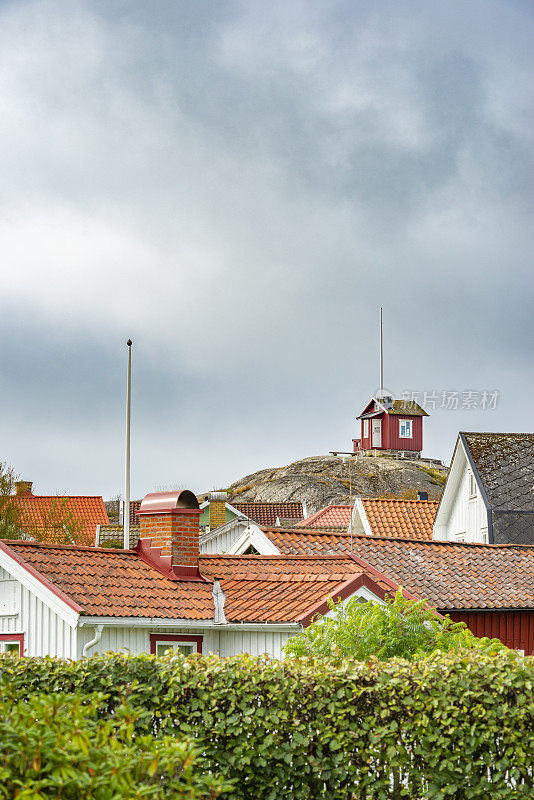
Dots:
{"x": 11, "y": 643}
{"x": 366, "y": 429}
{"x": 405, "y": 429}
{"x": 161, "y": 643}
{"x": 472, "y": 486}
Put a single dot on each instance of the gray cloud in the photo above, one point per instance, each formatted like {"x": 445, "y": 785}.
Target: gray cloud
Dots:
{"x": 239, "y": 186}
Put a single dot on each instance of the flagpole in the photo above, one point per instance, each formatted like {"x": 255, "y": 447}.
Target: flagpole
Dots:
{"x": 126, "y": 515}
{"x": 381, "y": 359}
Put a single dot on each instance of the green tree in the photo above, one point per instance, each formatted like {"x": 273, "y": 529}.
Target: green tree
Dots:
{"x": 399, "y": 628}
{"x": 58, "y": 746}
{"x": 10, "y": 514}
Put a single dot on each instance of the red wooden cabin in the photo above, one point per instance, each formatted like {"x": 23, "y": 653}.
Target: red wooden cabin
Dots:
{"x": 389, "y": 424}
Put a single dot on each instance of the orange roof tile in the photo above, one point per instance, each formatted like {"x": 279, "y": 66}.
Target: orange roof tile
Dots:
{"x": 39, "y": 512}
{"x": 406, "y": 519}
{"x": 449, "y": 575}
{"x": 117, "y": 583}
{"x": 334, "y": 516}
{"x": 266, "y": 513}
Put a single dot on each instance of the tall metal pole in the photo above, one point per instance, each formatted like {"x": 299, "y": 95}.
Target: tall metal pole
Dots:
{"x": 126, "y": 515}
{"x": 381, "y": 358}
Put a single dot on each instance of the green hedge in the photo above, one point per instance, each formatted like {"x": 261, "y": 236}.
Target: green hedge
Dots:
{"x": 55, "y": 746}
{"x": 450, "y": 726}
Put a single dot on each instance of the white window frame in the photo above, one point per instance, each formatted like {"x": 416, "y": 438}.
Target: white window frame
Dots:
{"x": 365, "y": 428}
{"x": 408, "y": 427}
{"x": 4, "y": 646}
{"x": 472, "y": 485}
{"x": 175, "y": 646}
{"x": 460, "y": 536}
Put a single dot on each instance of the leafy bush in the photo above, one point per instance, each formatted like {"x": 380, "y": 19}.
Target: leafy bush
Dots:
{"x": 454, "y": 725}
{"x": 401, "y": 628}
{"x": 54, "y": 746}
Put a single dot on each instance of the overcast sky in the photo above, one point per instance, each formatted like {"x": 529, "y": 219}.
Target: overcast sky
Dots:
{"x": 238, "y": 187}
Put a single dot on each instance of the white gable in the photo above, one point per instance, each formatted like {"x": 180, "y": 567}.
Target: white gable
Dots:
{"x": 462, "y": 514}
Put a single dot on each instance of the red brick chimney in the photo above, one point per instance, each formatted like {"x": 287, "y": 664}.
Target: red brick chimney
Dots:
{"x": 169, "y": 529}
{"x": 23, "y": 488}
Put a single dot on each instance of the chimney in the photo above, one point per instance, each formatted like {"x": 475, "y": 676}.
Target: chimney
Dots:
{"x": 168, "y": 537}
{"x": 217, "y": 509}
{"x": 23, "y": 488}
{"x": 422, "y": 495}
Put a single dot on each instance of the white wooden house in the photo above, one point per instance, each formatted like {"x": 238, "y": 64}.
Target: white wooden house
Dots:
{"x": 489, "y": 494}
{"x": 74, "y": 601}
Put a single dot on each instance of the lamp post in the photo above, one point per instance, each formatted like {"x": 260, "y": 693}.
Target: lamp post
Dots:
{"x": 126, "y": 516}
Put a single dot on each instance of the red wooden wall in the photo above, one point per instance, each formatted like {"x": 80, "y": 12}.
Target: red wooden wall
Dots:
{"x": 390, "y": 434}
{"x": 515, "y": 629}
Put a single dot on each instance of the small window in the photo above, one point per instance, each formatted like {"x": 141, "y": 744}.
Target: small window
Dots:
{"x": 366, "y": 429}
{"x": 460, "y": 537}
{"x": 185, "y": 648}
{"x": 405, "y": 428}
{"x": 472, "y": 485}
{"x": 11, "y": 645}
{"x": 163, "y": 644}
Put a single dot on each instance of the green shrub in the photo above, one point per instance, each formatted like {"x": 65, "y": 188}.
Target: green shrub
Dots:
{"x": 400, "y": 628}
{"x": 54, "y": 746}
{"x": 453, "y": 725}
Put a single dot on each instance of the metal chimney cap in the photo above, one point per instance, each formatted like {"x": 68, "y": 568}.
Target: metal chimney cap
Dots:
{"x": 217, "y": 496}
{"x": 161, "y": 502}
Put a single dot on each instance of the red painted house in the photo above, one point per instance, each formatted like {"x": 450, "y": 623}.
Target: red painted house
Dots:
{"x": 389, "y": 424}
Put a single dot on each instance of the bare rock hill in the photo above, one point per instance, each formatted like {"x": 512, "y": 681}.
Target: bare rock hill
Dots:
{"x": 322, "y": 480}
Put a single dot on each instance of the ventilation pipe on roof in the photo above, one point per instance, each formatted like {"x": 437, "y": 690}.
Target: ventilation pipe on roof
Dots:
{"x": 218, "y": 599}
{"x": 95, "y": 640}
{"x": 422, "y": 495}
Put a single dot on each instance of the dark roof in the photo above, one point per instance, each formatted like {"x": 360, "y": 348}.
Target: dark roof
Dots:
{"x": 448, "y": 575}
{"x": 265, "y": 513}
{"x": 505, "y": 464}
{"x": 398, "y": 407}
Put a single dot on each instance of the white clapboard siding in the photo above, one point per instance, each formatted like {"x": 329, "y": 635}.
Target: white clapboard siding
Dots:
{"x": 45, "y": 633}
{"x": 220, "y": 540}
{"x": 137, "y": 640}
{"x": 255, "y": 643}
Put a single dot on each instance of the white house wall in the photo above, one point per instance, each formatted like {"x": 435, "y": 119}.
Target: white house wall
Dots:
{"x": 461, "y": 517}
{"x": 221, "y": 540}
{"x": 223, "y": 642}
{"x": 45, "y": 632}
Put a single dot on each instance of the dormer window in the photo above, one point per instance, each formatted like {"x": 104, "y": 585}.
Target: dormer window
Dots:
{"x": 405, "y": 428}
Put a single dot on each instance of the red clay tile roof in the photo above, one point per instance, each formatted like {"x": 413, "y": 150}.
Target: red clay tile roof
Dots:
{"x": 40, "y": 511}
{"x": 266, "y": 513}
{"x": 116, "y": 583}
{"x": 405, "y": 519}
{"x": 448, "y": 575}
{"x": 334, "y": 516}
{"x": 282, "y": 588}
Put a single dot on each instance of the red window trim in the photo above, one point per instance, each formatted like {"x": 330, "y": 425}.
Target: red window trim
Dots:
{"x": 173, "y": 637}
{"x": 14, "y": 637}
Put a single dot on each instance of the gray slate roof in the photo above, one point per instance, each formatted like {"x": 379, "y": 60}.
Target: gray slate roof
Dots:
{"x": 505, "y": 465}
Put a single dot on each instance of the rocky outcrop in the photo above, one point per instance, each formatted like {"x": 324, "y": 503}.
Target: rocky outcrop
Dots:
{"x": 322, "y": 480}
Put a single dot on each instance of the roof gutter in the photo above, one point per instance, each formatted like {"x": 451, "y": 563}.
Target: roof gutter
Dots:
{"x": 203, "y": 624}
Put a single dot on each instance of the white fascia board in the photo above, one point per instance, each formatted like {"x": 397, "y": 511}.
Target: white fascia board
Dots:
{"x": 253, "y": 535}
{"x": 202, "y": 624}
{"x": 34, "y": 585}
{"x": 454, "y": 479}
{"x": 359, "y": 520}
{"x": 227, "y": 506}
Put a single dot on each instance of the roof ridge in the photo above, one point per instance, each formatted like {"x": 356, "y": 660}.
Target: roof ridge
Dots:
{"x": 396, "y": 500}
{"x": 57, "y": 546}
{"x": 364, "y": 537}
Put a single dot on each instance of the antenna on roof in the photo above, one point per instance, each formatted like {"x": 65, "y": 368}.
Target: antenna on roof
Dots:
{"x": 381, "y": 394}
{"x": 126, "y": 515}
